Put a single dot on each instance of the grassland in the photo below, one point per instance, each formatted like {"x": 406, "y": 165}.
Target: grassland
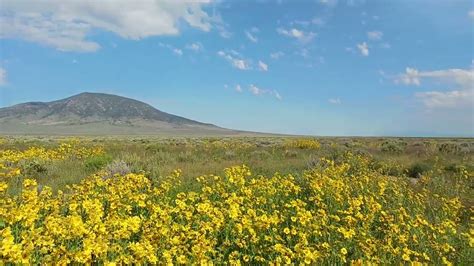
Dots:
{"x": 237, "y": 200}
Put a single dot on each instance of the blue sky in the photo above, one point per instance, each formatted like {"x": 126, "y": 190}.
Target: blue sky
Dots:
{"x": 321, "y": 67}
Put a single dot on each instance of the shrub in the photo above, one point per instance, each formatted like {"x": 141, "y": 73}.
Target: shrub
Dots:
{"x": 417, "y": 169}
{"x": 449, "y": 148}
{"x": 117, "y": 167}
{"x": 229, "y": 155}
{"x": 95, "y": 163}
{"x": 291, "y": 154}
{"x": 313, "y": 162}
{"x": 35, "y": 167}
{"x": 393, "y": 147}
{"x": 455, "y": 168}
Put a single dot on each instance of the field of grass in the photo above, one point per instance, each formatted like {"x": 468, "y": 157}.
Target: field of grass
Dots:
{"x": 236, "y": 200}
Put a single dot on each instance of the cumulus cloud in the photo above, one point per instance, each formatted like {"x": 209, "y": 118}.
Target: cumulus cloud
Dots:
{"x": 258, "y": 92}
{"x": 449, "y": 99}
{"x": 262, "y": 66}
{"x": 3, "y": 76}
{"x": 375, "y": 35}
{"x": 410, "y": 77}
{"x": 460, "y": 95}
{"x": 300, "y": 35}
{"x": 240, "y": 64}
{"x": 334, "y": 101}
{"x": 461, "y": 77}
{"x": 363, "y": 48}
{"x": 471, "y": 14}
{"x": 65, "y": 25}
{"x": 277, "y": 55}
{"x": 235, "y": 59}
{"x": 196, "y": 47}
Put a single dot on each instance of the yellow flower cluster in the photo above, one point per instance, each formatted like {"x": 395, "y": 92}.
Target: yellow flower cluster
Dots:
{"x": 228, "y": 144}
{"x": 303, "y": 144}
{"x": 339, "y": 213}
{"x": 10, "y": 160}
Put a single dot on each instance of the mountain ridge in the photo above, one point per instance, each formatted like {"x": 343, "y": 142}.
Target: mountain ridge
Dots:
{"x": 116, "y": 113}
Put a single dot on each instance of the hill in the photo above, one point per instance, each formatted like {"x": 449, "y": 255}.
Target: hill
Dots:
{"x": 99, "y": 114}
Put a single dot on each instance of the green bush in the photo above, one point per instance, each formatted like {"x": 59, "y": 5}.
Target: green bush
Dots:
{"x": 417, "y": 169}
{"x": 393, "y": 147}
{"x": 454, "y": 168}
{"x": 35, "y": 167}
{"x": 95, "y": 163}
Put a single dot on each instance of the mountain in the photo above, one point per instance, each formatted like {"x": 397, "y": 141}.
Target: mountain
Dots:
{"x": 97, "y": 114}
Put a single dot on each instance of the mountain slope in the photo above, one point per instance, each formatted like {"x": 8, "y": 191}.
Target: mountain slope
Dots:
{"x": 97, "y": 113}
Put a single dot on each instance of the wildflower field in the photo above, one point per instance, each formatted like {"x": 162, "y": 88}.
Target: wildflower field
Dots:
{"x": 236, "y": 201}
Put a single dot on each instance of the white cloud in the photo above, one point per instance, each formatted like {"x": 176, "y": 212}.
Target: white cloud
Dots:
{"x": 65, "y": 25}
{"x": 238, "y": 88}
{"x": 335, "y": 101}
{"x": 300, "y": 35}
{"x": 449, "y": 99}
{"x": 314, "y": 21}
{"x": 196, "y": 47}
{"x": 251, "y": 37}
{"x": 3, "y": 76}
{"x": 255, "y": 90}
{"x": 460, "y": 96}
{"x": 258, "y": 92}
{"x": 224, "y": 33}
{"x": 277, "y": 55}
{"x": 471, "y": 14}
{"x": 173, "y": 49}
{"x": 235, "y": 59}
{"x": 363, "y": 48}
{"x": 234, "y": 52}
{"x": 178, "y": 51}
{"x": 240, "y": 64}
{"x": 411, "y": 77}
{"x": 262, "y": 66}
{"x": 221, "y": 26}
{"x": 375, "y": 35}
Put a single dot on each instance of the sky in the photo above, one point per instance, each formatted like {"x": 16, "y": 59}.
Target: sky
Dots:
{"x": 311, "y": 67}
